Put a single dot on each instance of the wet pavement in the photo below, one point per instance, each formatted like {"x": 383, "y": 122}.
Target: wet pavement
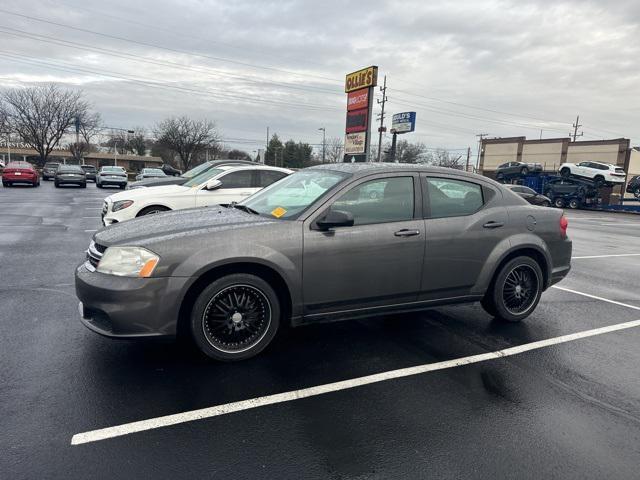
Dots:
{"x": 564, "y": 411}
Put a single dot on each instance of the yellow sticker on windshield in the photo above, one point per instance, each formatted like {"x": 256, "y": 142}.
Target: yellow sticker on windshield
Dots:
{"x": 278, "y": 212}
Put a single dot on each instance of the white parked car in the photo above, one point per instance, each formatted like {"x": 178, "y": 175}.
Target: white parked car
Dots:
{"x": 224, "y": 184}
{"x": 602, "y": 173}
{"x": 150, "y": 173}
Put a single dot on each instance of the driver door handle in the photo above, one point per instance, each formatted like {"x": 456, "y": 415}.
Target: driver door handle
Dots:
{"x": 405, "y": 232}
{"x": 493, "y": 224}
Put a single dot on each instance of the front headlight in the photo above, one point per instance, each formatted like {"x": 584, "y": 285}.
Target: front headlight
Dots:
{"x": 121, "y": 204}
{"x": 128, "y": 262}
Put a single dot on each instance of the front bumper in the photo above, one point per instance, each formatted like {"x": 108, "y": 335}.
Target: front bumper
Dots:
{"x": 122, "y": 307}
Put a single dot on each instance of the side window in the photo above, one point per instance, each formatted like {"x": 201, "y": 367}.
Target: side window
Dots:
{"x": 267, "y": 177}
{"x": 453, "y": 198}
{"x": 379, "y": 201}
{"x": 241, "y": 179}
{"x": 528, "y": 190}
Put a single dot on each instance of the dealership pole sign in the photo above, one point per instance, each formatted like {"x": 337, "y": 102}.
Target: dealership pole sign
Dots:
{"x": 359, "y": 89}
{"x": 404, "y": 122}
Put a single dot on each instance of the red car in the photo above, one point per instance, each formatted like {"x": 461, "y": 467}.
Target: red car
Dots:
{"x": 20, "y": 172}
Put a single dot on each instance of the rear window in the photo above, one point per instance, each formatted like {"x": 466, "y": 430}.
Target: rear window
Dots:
{"x": 620, "y": 170}
{"x": 70, "y": 169}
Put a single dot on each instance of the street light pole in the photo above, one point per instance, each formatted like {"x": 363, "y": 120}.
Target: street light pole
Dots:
{"x": 324, "y": 140}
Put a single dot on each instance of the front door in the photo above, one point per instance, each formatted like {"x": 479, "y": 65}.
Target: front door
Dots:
{"x": 463, "y": 226}
{"x": 236, "y": 186}
{"x": 375, "y": 262}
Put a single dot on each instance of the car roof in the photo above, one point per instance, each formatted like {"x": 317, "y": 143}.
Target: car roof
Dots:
{"x": 367, "y": 168}
{"x": 258, "y": 166}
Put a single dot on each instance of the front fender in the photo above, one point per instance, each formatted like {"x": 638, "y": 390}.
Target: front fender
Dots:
{"x": 505, "y": 248}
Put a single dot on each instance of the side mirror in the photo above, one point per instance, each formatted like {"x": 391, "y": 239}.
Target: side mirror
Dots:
{"x": 335, "y": 218}
{"x": 213, "y": 184}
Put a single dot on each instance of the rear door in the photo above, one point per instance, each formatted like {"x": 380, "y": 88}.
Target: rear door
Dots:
{"x": 377, "y": 261}
{"x": 464, "y": 221}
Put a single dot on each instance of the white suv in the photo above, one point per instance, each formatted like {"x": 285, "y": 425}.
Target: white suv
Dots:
{"x": 223, "y": 184}
{"x": 601, "y": 173}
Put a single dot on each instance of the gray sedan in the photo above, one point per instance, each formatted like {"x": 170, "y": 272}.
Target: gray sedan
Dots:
{"x": 318, "y": 246}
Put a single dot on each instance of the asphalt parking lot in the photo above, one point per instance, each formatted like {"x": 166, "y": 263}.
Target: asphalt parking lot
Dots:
{"x": 486, "y": 402}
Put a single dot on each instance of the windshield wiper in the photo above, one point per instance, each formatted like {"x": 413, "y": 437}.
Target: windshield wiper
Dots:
{"x": 244, "y": 208}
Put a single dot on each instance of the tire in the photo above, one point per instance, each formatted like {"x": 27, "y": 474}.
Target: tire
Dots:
{"x": 6, "y": 184}
{"x": 574, "y": 203}
{"x": 84, "y": 185}
{"x": 524, "y": 171}
{"x": 636, "y": 192}
{"x": 99, "y": 185}
{"x": 215, "y": 336}
{"x": 122, "y": 187}
{"x": 598, "y": 180}
{"x": 57, "y": 185}
{"x": 565, "y": 172}
{"x": 516, "y": 289}
{"x": 152, "y": 210}
{"x": 558, "y": 202}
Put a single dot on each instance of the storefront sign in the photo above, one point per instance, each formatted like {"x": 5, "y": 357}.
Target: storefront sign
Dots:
{"x": 367, "y": 77}
{"x": 354, "y": 143}
{"x": 358, "y": 99}
{"x": 357, "y": 120}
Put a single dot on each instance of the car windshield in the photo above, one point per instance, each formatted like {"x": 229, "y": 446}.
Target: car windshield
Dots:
{"x": 154, "y": 171}
{"x": 194, "y": 172}
{"x": 287, "y": 198}
{"x": 203, "y": 178}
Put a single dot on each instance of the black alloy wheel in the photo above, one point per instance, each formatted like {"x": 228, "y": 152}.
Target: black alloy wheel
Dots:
{"x": 515, "y": 290}
{"x": 235, "y": 317}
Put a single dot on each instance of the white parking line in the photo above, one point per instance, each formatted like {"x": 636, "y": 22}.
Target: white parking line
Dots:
{"x": 200, "y": 414}
{"x": 93, "y": 208}
{"x": 621, "y": 224}
{"x": 595, "y": 297}
{"x": 607, "y": 256}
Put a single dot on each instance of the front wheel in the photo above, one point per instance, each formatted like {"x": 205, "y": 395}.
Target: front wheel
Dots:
{"x": 516, "y": 290}
{"x": 558, "y": 202}
{"x": 152, "y": 210}
{"x": 235, "y": 317}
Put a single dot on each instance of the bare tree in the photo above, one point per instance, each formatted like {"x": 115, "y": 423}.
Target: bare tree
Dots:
{"x": 88, "y": 126}
{"x": 41, "y": 115}
{"x": 334, "y": 149}
{"x": 442, "y": 158}
{"x": 406, "y": 152}
{"x": 186, "y": 137}
{"x": 137, "y": 141}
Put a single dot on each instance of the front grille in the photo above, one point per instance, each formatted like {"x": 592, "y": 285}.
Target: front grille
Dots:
{"x": 94, "y": 254}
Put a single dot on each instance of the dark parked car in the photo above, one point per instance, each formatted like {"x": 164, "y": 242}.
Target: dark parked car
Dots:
{"x": 510, "y": 170}
{"x": 232, "y": 275}
{"x": 634, "y": 186}
{"x": 109, "y": 176}
{"x": 530, "y": 195}
{"x": 185, "y": 177}
{"x": 70, "y": 175}
{"x": 169, "y": 170}
{"x": 569, "y": 191}
{"x": 90, "y": 171}
{"x": 49, "y": 170}
{"x": 20, "y": 172}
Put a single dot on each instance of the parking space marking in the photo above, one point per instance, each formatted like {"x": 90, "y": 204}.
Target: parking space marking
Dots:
{"x": 595, "y": 297}
{"x": 93, "y": 208}
{"x": 607, "y": 256}
{"x": 215, "y": 411}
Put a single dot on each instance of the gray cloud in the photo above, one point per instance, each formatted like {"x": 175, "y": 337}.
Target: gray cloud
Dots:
{"x": 542, "y": 62}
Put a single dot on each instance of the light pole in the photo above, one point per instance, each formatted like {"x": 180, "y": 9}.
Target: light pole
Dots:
{"x": 324, "y": 136}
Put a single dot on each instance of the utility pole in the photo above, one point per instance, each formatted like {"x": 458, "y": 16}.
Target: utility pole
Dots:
{"x": 480, "y": 137}
{"x": 466, "y": 169}
{"x": 381, "y": 129}
{"x": 324, "y": 142}
{"x": 575, "y": 129}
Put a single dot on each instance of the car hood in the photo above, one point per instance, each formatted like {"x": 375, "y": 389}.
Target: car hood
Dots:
{"x": 140, "y": 193}
{"x": 156, "y": 182}
{"x": 177, "y": 224}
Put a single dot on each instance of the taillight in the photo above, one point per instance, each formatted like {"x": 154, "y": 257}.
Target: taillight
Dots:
{"x": 564, "y": 223}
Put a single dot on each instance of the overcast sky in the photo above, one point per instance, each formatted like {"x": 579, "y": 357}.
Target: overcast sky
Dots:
{"x": 467, "y": 67}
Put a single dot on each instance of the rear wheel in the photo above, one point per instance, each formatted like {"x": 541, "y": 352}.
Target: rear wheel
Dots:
{"x": 599, "y": 180}
{"x": 235, "y": 317}
{"x": 516, "y": 290}
{"x": 558, "y": 202}
{"x": 574, "y": 203}
{"x": 565, "y": 172}
{"x": 152, "y": 210}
